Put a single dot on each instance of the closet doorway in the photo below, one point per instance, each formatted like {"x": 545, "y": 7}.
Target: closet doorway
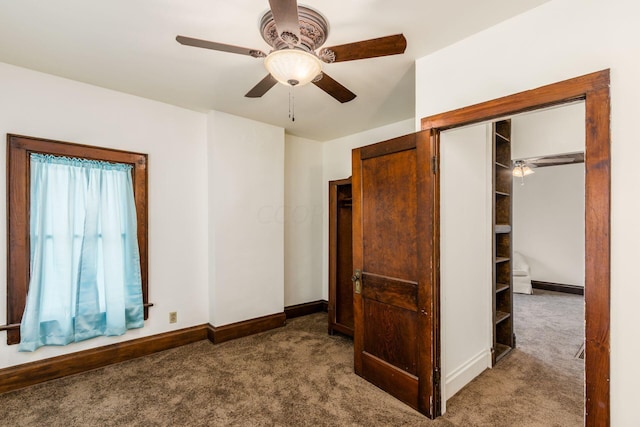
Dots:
{"x": 594, "y": 90}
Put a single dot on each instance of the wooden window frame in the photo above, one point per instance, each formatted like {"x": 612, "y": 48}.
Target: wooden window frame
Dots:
{"x": 19, "y": 149}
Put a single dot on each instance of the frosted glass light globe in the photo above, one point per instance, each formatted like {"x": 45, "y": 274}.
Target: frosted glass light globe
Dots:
{"x": 293, "y": 67}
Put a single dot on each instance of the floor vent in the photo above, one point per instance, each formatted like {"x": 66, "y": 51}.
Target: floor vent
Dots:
{"x": 580, "y": 353}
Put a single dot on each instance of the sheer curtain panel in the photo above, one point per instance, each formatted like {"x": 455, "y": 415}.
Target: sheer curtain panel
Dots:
{"x": 85, "y": 278}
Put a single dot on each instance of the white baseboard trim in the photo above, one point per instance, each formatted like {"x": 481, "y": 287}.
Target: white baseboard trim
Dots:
{"x": 467, "y": 372}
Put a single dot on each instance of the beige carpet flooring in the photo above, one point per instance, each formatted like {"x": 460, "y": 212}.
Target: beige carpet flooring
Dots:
{"x": 541, "y": 382}
{"x": 292, "y": 376}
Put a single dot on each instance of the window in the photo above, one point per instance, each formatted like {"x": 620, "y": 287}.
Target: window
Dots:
{"x": 19, "y": 150}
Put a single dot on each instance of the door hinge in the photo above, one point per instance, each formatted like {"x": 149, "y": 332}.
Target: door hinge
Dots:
{"x": 434, "y": 164}
{"x": 436, "y": 377}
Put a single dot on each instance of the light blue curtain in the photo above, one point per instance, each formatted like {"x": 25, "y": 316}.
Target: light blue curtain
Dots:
{"x": 85, "y": 263}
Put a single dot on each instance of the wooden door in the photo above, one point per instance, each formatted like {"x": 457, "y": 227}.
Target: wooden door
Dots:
{"x": 396, "y": 339}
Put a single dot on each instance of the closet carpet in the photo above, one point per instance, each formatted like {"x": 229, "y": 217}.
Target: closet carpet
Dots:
{"x": 297, "y": 375}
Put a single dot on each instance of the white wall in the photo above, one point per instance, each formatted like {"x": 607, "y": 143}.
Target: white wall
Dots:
{"x": 41, "y": 105}
{"x": 216, "y": 199}
{"x": 548, "y": 223}
{"x": 465, "y": 255}
{"x": 548, "y": 211}
{"x": 246, "y": 211}
{"x": 557, "y": 130}
{"x": 336, "y": 155}
{"x": 579, "y": 37}
{"x": 302, "y": 221}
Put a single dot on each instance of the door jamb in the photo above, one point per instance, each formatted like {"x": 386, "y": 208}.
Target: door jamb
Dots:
{"x": 594, "y": 90}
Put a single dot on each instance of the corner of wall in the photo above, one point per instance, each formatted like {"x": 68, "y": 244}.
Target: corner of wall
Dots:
{"x": 245, "y": 161}
{"x": 302, "y": 220}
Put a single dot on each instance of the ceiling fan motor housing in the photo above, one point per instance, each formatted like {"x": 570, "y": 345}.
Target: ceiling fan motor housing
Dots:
{"x": 314, "y": 30}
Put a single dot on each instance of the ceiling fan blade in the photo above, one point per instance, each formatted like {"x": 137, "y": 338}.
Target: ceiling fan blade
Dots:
{"x": 263, "y": 87}
{"x": 383, "y": 46}
{"x": 334, "y": 89}
{"x": 188, "y": 41}
{"x": 554, "y": 160}
{"x": 285, "y": 15}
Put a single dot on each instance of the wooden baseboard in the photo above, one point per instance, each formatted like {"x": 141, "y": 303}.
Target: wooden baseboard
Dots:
{"x": 344, "y": 330}
{"x": 27, "y": 374}
{"x": 558, "y": 287}
{"x": 305, "y": 308}
{"x": 218, "y": 334}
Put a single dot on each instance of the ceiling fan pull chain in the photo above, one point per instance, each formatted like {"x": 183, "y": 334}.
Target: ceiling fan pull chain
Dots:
{"x": 292, "y": 106}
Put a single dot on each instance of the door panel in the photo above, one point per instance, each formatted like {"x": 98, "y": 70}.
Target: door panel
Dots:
{"x": 394, "y": 381}
{"x": 400, "y": 293}
{"x": 391, "y": 334}
{"x": 392, "y": 248}
{"x": 389, "y": 214}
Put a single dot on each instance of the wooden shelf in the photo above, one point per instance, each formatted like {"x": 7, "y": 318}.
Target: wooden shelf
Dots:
{"x": 501, "y": 315}
{"x": 503, "y": 338}
{"x": 504, "y": 138}
{"x": 502, "y": 228}
{"x": 500, "y": 287}
{"x": 345, "y": 202}
{"x": 500, "y": 350}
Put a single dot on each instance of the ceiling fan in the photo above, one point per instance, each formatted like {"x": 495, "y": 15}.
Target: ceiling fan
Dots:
{"x": 295, "y": 33}
{"x": 553, "y": 160}
{"x": 524, "y": 167}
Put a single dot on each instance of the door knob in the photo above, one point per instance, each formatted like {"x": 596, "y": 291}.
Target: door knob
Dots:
{"x": 356, "y": 281}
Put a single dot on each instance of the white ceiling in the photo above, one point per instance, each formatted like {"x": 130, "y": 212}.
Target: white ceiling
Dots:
{"x": 129, "y": 46}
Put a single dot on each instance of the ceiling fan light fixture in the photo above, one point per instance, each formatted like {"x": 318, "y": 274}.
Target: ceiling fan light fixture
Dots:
{"x": 520, "y": 170}
{"x": 293, "y": 67}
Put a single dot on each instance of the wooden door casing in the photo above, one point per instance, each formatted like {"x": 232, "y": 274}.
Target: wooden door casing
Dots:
{"x": 594, "y": 90}
{"x": 393, "y": 238}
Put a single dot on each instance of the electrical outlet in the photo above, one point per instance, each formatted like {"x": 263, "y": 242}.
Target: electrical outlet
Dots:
{"x": 173, "y": 317}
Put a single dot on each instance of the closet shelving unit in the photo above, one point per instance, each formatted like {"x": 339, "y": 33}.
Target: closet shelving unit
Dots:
{"x": 503, "y": 337}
